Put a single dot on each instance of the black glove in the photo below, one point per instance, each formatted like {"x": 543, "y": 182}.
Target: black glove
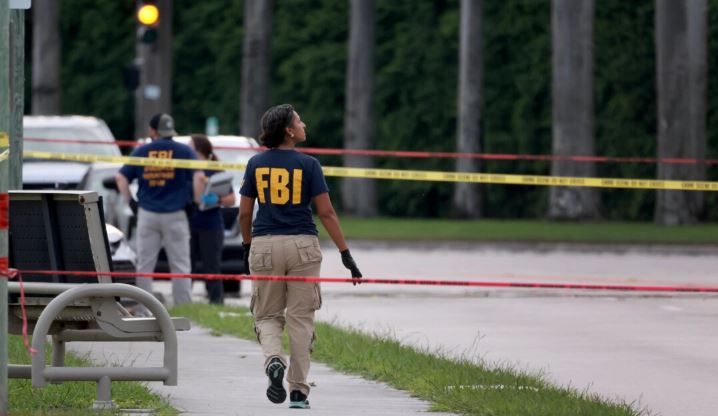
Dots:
{"x": 349, "y": 263}
{"x": 245, "y": 257}
{"x": 133, "y": 206}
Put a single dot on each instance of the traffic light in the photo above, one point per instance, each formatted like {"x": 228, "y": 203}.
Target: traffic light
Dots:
{"x": 148, "y": 16}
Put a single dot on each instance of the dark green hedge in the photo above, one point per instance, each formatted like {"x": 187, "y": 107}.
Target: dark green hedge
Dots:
{"x": 416, "y": 76}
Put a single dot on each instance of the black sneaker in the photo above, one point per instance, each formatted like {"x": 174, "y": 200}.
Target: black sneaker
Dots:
{"x": 275, "y": 372}
{"x": 298, "y": 400}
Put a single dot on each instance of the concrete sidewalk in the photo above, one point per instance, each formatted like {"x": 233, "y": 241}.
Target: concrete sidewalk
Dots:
{"x": 223, "y": 376}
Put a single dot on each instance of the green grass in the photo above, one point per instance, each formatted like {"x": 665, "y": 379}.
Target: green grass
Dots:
{"x": 524, "y": 231}
{"x": 73, "y": 397}
{"x": 430, "y": 377}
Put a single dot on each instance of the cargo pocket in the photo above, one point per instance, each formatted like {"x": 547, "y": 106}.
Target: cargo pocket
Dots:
{"x": 309, "y": 251}
{"x": 260, "y": 258}
{"x": 317, "y": 297}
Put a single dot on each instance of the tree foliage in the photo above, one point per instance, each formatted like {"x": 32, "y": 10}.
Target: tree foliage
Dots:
{"x": 416, "y": 85}
{"x": 97, "y": 42}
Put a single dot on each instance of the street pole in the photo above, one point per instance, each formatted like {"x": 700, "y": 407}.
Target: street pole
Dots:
{"x": 4, "y": 200}
{"x": 17, "y": 95}
{"x": 154, "y": 61}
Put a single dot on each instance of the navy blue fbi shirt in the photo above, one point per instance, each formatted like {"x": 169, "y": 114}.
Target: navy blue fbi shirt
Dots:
{"x": 162, "y": 189}
{"x": 284, "y": 183}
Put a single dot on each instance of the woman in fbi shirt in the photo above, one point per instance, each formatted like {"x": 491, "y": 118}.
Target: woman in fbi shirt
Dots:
{"x": 283, "y": 241}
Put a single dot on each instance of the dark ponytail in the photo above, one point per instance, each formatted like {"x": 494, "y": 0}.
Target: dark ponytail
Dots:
{"x": 274, "y": 121}
{"x": 202, "y": 145}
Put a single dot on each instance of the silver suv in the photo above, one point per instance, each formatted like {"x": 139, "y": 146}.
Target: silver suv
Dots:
{"x": 66, "y": 134}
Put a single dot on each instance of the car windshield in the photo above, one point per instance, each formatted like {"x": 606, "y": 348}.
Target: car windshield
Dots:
{"x": 69, "y": 133}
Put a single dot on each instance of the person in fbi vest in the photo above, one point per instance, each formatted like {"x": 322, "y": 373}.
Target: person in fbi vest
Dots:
{"x": 163, "y": 195}
{"x": 283, "y": 241}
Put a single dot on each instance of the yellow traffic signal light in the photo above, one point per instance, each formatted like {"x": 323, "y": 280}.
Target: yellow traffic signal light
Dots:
{"x": 148, "y": 14}
{"x": 148, "y": 17}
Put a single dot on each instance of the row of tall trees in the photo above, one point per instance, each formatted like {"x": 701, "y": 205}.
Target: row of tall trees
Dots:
{"x": 681, "y": 38}
{"x": 446, "y": 75}
{"x": 681, "y": 44}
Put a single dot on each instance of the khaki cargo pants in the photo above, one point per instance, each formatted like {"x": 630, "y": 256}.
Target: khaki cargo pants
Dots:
{"x": 280, "y": 255}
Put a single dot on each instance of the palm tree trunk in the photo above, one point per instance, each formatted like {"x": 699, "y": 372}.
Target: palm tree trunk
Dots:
{"x": 572, "y": 107}
{"x": 359, "y": 196}
{"x": 681, "y": 65}
{"x": 46, "y": 57}
{"x": 467, "y": 196}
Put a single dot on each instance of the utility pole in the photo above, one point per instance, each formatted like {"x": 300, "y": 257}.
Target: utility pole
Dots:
{"x": 255, "y": 65}
{"x": 4, "y": 199}
{"x": 17, "y": 95}
{"x": 154, "y": 62}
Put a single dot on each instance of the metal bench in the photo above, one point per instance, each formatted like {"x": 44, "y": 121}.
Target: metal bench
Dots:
{"x": 64, "y": 230}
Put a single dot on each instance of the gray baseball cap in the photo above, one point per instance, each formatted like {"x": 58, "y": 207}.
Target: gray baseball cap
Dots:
{"x": 165, "y": 125}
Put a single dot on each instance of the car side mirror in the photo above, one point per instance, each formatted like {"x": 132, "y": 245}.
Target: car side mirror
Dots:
{"x": 110, "y": 183}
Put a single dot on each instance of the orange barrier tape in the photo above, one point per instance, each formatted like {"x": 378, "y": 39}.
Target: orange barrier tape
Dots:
{"x": 426, "y": 155}
{"x": 312, "y": 279}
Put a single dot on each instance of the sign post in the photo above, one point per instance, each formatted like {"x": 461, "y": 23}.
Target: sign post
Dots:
{"x": 4, "y": 199}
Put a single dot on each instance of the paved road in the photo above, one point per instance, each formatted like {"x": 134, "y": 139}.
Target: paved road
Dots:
{"x": 658, "y": 350}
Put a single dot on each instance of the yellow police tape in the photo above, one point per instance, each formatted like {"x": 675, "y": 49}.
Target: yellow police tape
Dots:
{"x": 4, "y": 139}
{"x": 4, "y": 155}
{"x": 138, "y": 161}
{"x": 407, "y": 175}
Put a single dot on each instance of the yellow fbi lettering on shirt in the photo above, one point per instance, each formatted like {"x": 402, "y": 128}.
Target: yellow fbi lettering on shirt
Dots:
{"x": 277, "y": 181}
{"x": 158, "y": 175}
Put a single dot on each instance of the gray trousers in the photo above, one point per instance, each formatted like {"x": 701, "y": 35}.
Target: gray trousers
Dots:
{"x": 169, "y": 231}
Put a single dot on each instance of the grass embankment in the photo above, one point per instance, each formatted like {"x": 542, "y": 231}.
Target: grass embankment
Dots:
{"x": 458, "y": 386}
{"x": 73, "y": 397}
{"x": 525, "y": 231}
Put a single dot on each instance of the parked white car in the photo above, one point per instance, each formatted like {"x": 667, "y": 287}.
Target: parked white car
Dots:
{"x": 58, "y": 174}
